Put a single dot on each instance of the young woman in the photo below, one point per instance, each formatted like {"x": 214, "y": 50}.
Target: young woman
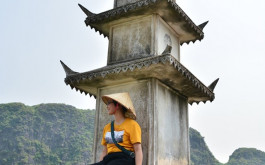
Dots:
{"x": 127, "y": 133}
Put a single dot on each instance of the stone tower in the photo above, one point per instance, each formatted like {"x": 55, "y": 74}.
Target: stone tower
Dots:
{"x": 144, "y": 59}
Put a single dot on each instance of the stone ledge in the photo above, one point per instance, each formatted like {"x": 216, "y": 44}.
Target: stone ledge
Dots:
{"x": 164, "y": 68}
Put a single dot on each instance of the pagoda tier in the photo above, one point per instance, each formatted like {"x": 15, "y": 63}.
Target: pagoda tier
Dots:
{"x": 164, "y": 68}
{"x": 168, "y": 10}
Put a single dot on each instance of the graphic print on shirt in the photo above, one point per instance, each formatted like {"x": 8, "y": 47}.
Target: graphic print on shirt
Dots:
{"x": 118, "y": 135}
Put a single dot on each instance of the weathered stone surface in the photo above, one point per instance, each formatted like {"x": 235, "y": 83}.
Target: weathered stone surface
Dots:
{"x": 172, "y": 143}
{"x": 165, "y": 35}
{"x": 130, "y": 40}
{"x": 118, "y": 3}
{"x": 143, "y": 37}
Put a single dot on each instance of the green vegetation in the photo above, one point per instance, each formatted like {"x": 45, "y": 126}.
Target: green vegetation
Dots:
{"x": 247, "y": 156}
{"x": 200, "y": 154}
{"x": 58, "y": 134}
{"x": 45, "y": 134}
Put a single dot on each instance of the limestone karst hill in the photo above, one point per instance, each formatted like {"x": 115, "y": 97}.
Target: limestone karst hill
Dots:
{"x": 200, "y": 153}
{"x": 247, "y": 156}
{"x": 45, "y": 134}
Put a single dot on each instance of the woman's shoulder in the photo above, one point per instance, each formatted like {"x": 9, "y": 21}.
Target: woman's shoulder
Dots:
{"x": 131, "y": 121}
{"x": 107, "y": 125}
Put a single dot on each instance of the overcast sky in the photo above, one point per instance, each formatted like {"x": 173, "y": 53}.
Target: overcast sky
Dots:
{"x": 36, "y": 35}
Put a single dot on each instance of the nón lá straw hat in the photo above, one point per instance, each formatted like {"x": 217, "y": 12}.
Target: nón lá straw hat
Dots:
{"x": 123, "y": 99}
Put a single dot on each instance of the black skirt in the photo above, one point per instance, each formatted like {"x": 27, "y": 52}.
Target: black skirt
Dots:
{"x": 116, "y": 158}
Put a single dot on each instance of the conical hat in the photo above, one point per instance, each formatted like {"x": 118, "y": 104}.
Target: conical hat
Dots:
{"x": 125, "y": 100}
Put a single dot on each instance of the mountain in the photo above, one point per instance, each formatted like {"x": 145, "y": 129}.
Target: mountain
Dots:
{"x": 200, "y": 153}
{"x": 45, "y": 134}
{"x": 247, "y": 156}
{"x": 59, "y": 134}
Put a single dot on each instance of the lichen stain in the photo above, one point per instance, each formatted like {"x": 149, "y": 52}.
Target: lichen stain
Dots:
{"x": 131, "y": 41}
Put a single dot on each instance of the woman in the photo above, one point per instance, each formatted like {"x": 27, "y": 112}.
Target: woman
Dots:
{"x": 127, "y": 133}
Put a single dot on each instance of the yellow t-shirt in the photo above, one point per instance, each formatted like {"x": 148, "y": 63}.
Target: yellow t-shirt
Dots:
{"x": 126, "y": 134}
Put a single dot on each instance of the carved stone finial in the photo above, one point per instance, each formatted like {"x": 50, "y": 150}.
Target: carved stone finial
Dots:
{"x": 213, "y": 84}
{"x": 201, "y": 26}
{"x": 87, "y": 12}
{"x": 67, "y": 70}
{"x": 167, "y": 50}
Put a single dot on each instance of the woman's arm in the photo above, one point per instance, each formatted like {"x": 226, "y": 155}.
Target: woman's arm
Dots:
{"x": 103, "y": 153}
{"x": 138, "y": 153}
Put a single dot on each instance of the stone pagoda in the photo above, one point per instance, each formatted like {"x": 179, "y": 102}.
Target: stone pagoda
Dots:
{"x": 144, "y": 60}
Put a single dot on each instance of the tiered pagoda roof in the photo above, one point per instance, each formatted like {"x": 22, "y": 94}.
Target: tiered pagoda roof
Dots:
{"x": 168, "y": 10}
{"x": 164, "y": 68}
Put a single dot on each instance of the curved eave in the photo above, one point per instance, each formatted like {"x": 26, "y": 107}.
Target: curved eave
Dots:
{"x": 164, "y": 68}
{"x": 168, "y": 10}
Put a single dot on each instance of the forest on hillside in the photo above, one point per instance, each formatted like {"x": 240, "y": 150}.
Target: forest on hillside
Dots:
{"x": 59, "y": 134}
{"x": 45, "y": 134}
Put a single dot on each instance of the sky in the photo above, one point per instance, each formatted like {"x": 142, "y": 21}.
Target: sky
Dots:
{"x": 36, "y": 35}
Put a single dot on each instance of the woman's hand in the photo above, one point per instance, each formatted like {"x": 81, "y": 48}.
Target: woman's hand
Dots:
{"x": 138, "y": 153}
{"x": 103, "y": 153}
